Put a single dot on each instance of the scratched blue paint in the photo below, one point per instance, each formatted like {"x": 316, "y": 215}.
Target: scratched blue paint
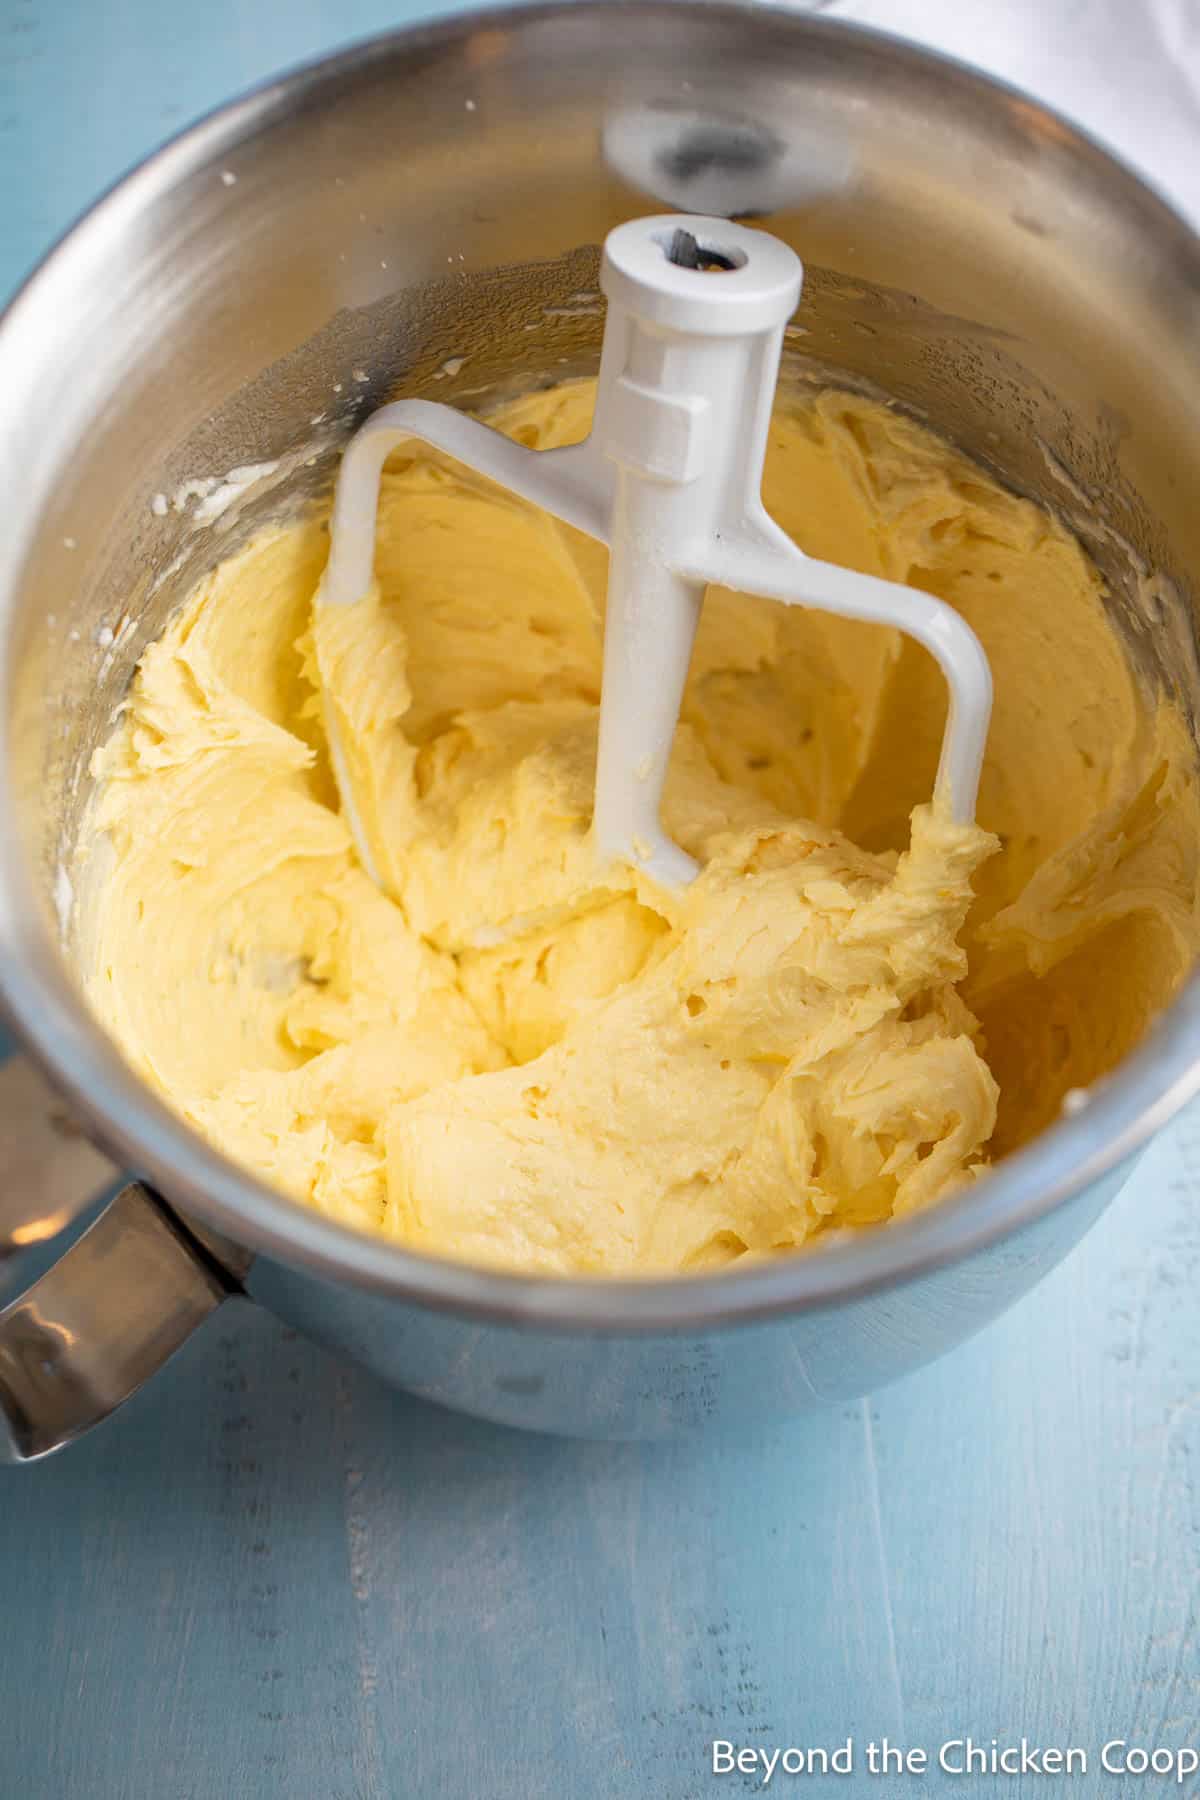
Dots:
{"x": 271, "y": 1576}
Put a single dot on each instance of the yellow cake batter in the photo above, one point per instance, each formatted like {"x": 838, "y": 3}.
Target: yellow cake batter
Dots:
{"x": 516, "y": 1056}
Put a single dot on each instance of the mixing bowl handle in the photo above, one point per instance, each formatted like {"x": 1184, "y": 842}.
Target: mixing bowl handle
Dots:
{"x": 97, "y": 1324}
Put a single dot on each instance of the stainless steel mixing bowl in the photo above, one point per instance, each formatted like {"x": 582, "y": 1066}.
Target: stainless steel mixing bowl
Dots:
{"x": 354, "y": 231}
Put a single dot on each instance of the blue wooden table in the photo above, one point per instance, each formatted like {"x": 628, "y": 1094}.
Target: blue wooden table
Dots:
{"x": 270, "y": 1576}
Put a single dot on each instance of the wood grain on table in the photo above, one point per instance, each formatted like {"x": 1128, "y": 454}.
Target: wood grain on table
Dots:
{"x": 270, "y": 1575}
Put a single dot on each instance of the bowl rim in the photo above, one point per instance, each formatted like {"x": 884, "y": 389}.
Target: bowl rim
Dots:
{"x": 129, "y": 1119}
